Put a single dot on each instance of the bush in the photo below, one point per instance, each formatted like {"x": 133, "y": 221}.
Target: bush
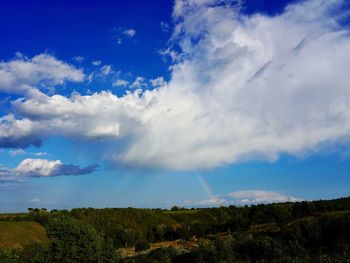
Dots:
{"x": 142, "y": 245}
{"x": 11, "y": 256}
{"x": 34, "y": 253}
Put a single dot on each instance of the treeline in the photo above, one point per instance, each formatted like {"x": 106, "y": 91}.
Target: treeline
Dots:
{"x": 284, "y": 232}
{"x": 126, "y": 226}
{"x": 309, "y": 240}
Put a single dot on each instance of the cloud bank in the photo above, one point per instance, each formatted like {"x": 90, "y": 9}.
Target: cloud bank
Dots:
{"x": 241, "y": 88}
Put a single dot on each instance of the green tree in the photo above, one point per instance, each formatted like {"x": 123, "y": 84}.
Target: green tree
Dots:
{"x": 74, "y": 241}
{"x": 9, "y": 256}
{"x": 34, "y": 253}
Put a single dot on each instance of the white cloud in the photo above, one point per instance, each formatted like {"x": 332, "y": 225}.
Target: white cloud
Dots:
{"x": 44, "y": 168}
{"x": 158, "y": 82}
{"x": 129, "y": 32}
{"x": 90, "y": 78}
{"x": 164, "y": 26}
{"x": 213, "y": 201}
{"x": 104, "y": 73}
{"x": 88, "y": 117}
{"x": 40, "y": 154}
{"x": 96, "y": 62}
{"x": 20, "y": 133}
{"x": 79, "y": 59}
{"x": 36, "y": 167}
{"x": 122, "y": 33}
{"x": 21, "y": 73}
{"x": 120, "y": 83}
{"x": 38, "y": 201}
{"x": 243, "y": 87}
{"x": 139, "y": 83}
{"x": 247, "y": 197}
{"x": 35, "y": 200}
{"x": 106, "y": 70}
{"x": 17, "y": 152}
{"x": 260, "y": 197}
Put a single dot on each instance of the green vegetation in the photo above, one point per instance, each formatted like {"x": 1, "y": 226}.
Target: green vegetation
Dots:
{"x": 74, "y": 241}
{"x": 142, "y": 246}
{"x": 316, "y": 231}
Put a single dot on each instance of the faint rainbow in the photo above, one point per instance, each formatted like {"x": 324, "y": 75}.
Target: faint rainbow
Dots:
{"x": 206, "y": 187}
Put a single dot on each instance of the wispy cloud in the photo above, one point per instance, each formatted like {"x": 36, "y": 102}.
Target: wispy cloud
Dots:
{"x": 103, "y": 73}
{"x": 164, "y": 26}
{"x": 129, "y": 32}
{"x": 121, "y": 83}
{"x": 79, "y": 59}
{"x": 35, "y": 200}
{"x": 106, "y": 70}
{"x": 96, "y": 62}
{"x": 246, "y": 197}
{"x": 213, "y": 201}
{"x": 138, "y": 83}
{"x": 19, "y": 152}
{"x": 38, "y": 201}
{"x": 122, "y": 34}
{"x": 259, "y": 197}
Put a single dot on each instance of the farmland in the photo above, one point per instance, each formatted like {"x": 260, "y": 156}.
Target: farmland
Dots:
{"x": 19, "y": 234}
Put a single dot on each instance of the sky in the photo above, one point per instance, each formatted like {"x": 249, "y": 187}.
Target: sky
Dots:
{"x": 195, "y": 103}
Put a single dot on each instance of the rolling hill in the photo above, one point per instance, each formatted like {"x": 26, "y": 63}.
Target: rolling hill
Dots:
{"x": 19, "y": 234}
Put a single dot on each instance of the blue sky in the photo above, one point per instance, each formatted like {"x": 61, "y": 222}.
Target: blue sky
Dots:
{"x": 162, "y": 103}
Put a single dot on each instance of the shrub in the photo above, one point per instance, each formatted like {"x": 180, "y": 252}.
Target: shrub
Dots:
{"x": 142, "y": 245}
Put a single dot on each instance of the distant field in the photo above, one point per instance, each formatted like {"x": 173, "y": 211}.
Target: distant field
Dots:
{"x": 181, "y": 212}
{"x": 9, "y": 215}
{"x": 340, "y": 213}
{"x": 187, "y": 245}
{"x": 15, "y": 235}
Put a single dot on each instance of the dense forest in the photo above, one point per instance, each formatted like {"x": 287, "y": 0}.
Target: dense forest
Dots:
{"x": 317, "y": 231}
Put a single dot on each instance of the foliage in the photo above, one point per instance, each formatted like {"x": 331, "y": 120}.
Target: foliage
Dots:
{"x": 74, "y": 241}
{"x": 316, "y": 231}
{"x": 142, "y": 245}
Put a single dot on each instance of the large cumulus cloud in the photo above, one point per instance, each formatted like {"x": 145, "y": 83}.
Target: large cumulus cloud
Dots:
{"x": 242, "y": 87}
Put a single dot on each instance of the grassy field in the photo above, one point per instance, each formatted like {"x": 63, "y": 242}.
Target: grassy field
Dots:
{"x": 15, "y": 235}
{"x": 12, "y": 215}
